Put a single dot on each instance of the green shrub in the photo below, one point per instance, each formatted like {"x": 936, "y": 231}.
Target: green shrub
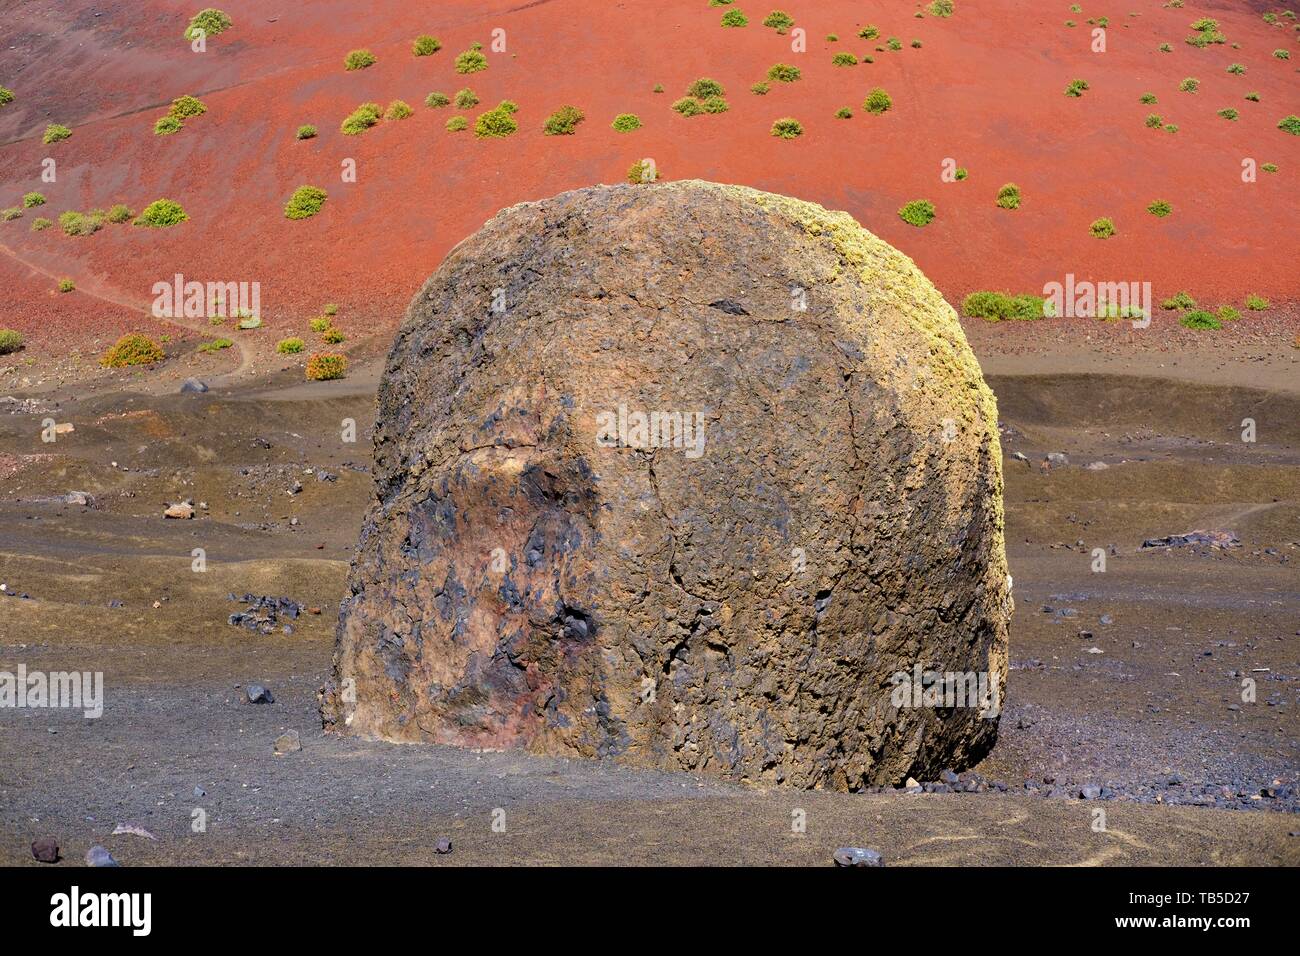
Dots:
{"x": 398, "y": 110}
{"x": 183, "y": 107}
{"x": 1282, "y": 54}
{"x": 67, "y": 285}
{"x": 437, "y": 100}
{"x": 779, "y": 20}
{"x": 894, "y": 43}
{"x": 40, "y": 224}
{"x": 844, "y": 113}
{"x": 305, "y": 202}
{"x": 248, "y": 322}
{"x": 167, "y": 125}
{"x": 705, "y": 87}
{"x": 10, "y": 214}
{"x": 465, "y": 99}
{"x": 10, "y": 341}
{"x": 759, "y": 89}
{"x": 1199, "y": 320}
{"x": 918, "y": 212}
{"x": 1290, "y": 124}
{"x": 161, "y": 213}
{"x": 642, "y": 171}
{"x": 869, "y": 32}
{"x": 55, "y": 133}
{"x": 1076, "y": 88}
{"x": 878, "y": 102}
{"x": 715, "y": 104}
{"x": 324, "y": 366}
{"x": 210, "y": 20}
{"x": 321, "y": 323}
{"x": 961, "y": 173}
{"x": 425, "y": 45}
{"x": 330, "y": 309}
{"x": 787, "y": 128}
{"x": 471, "y": 61}
{"x": 76, "y": 224}
{"x": 496, "y": 122}
{"x": 1256, "y": 303}
{"x": 291, "y": 346}
{"x": 735, "y": 18}
{"x": 456, "y": 124}
{"x": 332, "y": 336}
{"x": 1180, "y": 300}
{"x": 32, "y": 200}
{"x": 1269, "y": 167}
{"x": 1160, "y": 208}
{"x": 216, "y": 345}
{"x": 783, "y": 73}
{"x": 1227, "y": 313}
{"x": 1171, "y": 128}
{"x": 1003, "y": 306}
{"x": 361, "y": 119}
{"x": 358, "y": 60}
{"x": 1009, "y": 196}
{"x": 1102, "y": 228}
{"x": 688, "y": 106}
{"x": 1229, "y": 113}
{"x": 563, "y": 122}
{"x": 844, "y": 59}
{"x": 119, "y": 213}
{"x": 1189, "y": 85}
{"x": 1253, "y": 97}
{"x": 132, "y": 349}
{"x": 1154, "y": 120}
{"x": 940, "y": 8}
{"x": 626, "y": 122}
{"x": 6, "y": 96}
{"x": 1148, "y": 98}
{"x": 306, "y": 132}
{"x": 1236, "y": 69}
{"x": 916, "y": 44}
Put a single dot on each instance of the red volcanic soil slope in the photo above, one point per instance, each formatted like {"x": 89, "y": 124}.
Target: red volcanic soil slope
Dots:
{"x": 983, "y": 89}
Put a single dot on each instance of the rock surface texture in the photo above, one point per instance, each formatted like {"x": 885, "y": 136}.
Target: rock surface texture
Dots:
{"x": 543, "y": 568}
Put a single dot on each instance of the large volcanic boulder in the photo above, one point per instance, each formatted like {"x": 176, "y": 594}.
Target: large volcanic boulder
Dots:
{"x": 686, "y": 475}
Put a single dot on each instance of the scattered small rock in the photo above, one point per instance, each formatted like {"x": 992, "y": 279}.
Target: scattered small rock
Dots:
{"x": 98, "y": 856}
{"x": 857, "y": 856}
{"x": 288, "y": 742}
{"x": 46, "y": 850}
{"x": 442, "y": 847}
{"x": 257, "y": 694}
{"x": 193, "y": 385}
{"x": 182, "y": 510}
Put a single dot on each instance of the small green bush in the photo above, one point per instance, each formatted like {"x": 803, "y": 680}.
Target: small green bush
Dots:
{"x": 844, "y": 113}
{"x": 894, "y": 43}
{"x": 1160, "y": 208}
{"x": 688, "y": 106}
{"x": 291, "y": 346}
{"x": 10, "y": 214}
{"x": 715, "y": 104}
{"x": 305, "y": 202}
{"x": 471, "y": 61}
{"x": 40, "y": 224}
{"x": 961, "y": 173}
{"x": 783, "y": 73}
{"x": 918, "y": 212}
{"x": 1269, "y": 167}
{"x": 1256, "y": 303}
{"x": 6, "y": 96}
{"x": 1148, "y": 98}
{"x": 398, "y": 110}
{"x": 563, "y": 122}
{"x": 626, "y": 122}
{"x": 844, "y": 59}
{"x": 1229, "y": 113}
{"x": 1227, "y": 313}
{"x": 437, "y": 100}
{"x": 67, "y": 285}
{"x": 167, "y": 125}
{"x": 940, "y": 8}
{"x": 704, "y": 88}
{"x": 1199, "y": 320}
{"x": 183, "y": 107}
{"x": 55, "y": 133}
{"x": 330, "y": 309}
{"x": 496, "y": 122}
{"x": 759, "y": 89}
{"x": 210, "y": 20}
{"x": 1253, "y": 97}
{"x": 456, "y": 124}
{"x": 869, "y": 32}
{"x": 916, "y": 44}
{"x": 332, "y": 336}
{"x": 132, "y": 349}
{"x": 426, "y": 45}
{"x": 161, "y": 213}
{"x": 878, "y": 101}
{"x": 32, "y": 200}
{"x": 216, "y": 345}
{"x": 779, "y": 20}
{"x": 358, "y": 60}
{"x": 10, "y": 341}
{"x": 1102, "y": 228}
{"x": 1154, "y": 120}
{"x": 1009, "y": 196}
{"x": 306, "y": 132}
{"x": 1076, "y": 88}
{"x": 1290, "y": 124}
{"x": 320, "y": 323}
{"x": 1003, "y": 306}
{"x": 1179, "y": 301}
{"x": 1236, "y": 69}
{"x": 361, "y": 119}
{"x": 119, "y": 213}
{"x": 787, "y": 128}
{"x": 1189, "y": 85}
{"x": 735, "y": 18}
{"x": 466, "y": 98}
{"x": 641, "y": 172}
{"x": 325, "y": 366}
{"x": 77, "y": 224}
{"x": 1282, "y": 54}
